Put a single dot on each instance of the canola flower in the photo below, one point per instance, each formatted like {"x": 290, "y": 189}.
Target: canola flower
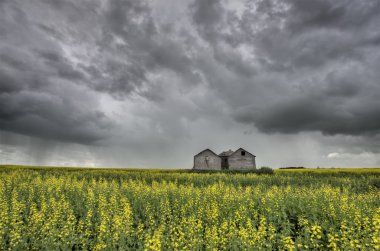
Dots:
{"x": 100, "y": 209}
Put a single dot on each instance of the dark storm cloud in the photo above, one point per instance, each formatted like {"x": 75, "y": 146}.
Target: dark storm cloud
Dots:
{"x": 332, "y": 14}
{"x": 51, "y": 116}
{"x": 138, "y": 47}
{"x": 85, "y": 71}
{"x": 110, "y": 47}
{"x": 40, "y": 92}
{"x": 208, "y": 15}
{"x": 324, "y": 53}
{"x": 304, "y": 114}
{"x": 298, "y": 34}
{"x": 343, "y": 102}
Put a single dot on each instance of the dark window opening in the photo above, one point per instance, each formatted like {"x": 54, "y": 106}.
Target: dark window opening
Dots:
{"x": 242, "y": 153}
{"x": 225, "y": 160}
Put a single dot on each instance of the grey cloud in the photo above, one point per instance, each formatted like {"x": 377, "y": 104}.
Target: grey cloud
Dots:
{"x": 112, "y": 48}
{"x": 234, "y": 62}
{"x": 342, "y": 103}
{"x": 131, "y": 47}
{"x": 40, "y": 93}
{"x": 319, "y": 50}
{"x": 314, "y": 33}
{"x": 123, "y": 72}
{"x": 58, "y": 116}
{"x": 8, "y": 83}
{"x": 60, "y": 65}
{"x": 312, "y": 115}
{"x": 221, "y": 29}
{"x": 332, "y": 14}
{"x": 13, "y": 59}
{"x": 208, "y": 15}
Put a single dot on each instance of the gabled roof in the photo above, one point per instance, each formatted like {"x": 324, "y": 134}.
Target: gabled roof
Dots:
{"x": 226, "y": 153}
{"x": 206, "y": 150}
{"x": 243, "y": 150}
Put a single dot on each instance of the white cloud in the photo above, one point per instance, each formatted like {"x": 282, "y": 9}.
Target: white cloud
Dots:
{"x": 333, "y": 155}
{"x": 354, "y": 159}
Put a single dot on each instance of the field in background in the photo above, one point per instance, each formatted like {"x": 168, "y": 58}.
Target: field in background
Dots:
{"x": 107, "y": 209}
{"x": 333, "y": 170}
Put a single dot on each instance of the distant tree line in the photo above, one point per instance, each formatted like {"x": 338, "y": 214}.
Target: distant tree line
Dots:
{"x": 293, "y": 167}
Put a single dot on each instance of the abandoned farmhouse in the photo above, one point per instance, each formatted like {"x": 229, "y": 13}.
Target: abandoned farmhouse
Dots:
{"x": 228, "y": 160}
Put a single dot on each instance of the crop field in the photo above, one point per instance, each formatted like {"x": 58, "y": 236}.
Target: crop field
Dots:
{"x": 131, "y": 209}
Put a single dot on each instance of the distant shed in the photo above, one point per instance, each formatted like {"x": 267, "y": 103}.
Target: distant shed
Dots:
{"x": 207, "y": 160}
{"x": 241, "y": 160}
{"x": 228, "y": 160}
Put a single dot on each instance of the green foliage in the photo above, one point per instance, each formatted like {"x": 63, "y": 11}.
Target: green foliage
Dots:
{"x": 265, "y": 170}
{"x": 136, "y": 209}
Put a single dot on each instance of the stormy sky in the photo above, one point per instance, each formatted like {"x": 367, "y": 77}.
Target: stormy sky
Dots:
{"x": 125, "y": 83}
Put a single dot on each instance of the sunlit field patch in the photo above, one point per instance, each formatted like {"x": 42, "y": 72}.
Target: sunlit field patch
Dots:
{"x": 134, "y": 209}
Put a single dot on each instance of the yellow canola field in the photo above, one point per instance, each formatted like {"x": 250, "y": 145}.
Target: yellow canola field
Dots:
{"x": 105, "y": 209}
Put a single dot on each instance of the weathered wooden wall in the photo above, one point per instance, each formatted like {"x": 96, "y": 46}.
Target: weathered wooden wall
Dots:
{"x": 239, "y": 162}
{"x": 213, "y": 161}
